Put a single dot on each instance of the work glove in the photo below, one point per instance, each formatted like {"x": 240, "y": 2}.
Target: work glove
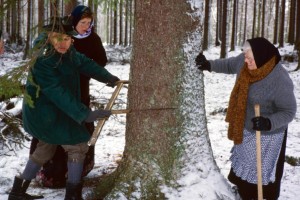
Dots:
{"x": 202, "y": 63}
{"x": 261, "y": 124}
{"x": 112, "y": 82}
{"x": 97, "y": 114}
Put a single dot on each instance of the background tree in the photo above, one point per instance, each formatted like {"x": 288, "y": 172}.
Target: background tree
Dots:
{"x": 254, "y": 19}
{"x": 218, "y": 22}
{"x": 297, "y": 43}
{"x": 224, "y": 30}
{"x": 275, "y": 37}
{"x": 166, "y": 129}
{"x": 291, "y": 33}
{"x": 28, "y": 38}
{"x": 69, "y": 6}
{"x": 206, "y": 25}
{"x": 263, "y": 18}
{"x": 233, "y": 26}
{"x": 281, "y": 28}
{"x": 245, "y": 22}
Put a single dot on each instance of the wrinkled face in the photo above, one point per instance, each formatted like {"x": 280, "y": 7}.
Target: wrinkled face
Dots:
{"x": 83, "y": 25}
{"x": 249, "y": 59}
{"x": 61, "y": 42}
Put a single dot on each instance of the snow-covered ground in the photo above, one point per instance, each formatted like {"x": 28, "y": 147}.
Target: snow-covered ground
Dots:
{"x": 110, "y": 144}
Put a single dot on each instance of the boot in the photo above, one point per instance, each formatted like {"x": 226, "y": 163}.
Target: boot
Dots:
{"x": 74, "y": 191}
{"x": 18, "y": 192}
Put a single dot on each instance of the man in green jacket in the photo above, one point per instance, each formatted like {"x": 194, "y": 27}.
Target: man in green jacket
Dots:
{"x": 56, "y": 115}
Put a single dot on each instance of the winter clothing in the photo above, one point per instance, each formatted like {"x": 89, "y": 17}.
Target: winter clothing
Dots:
{"x": 53, "y": 112}
{"x": 277, "y": 87}
{"x": 78, "y": 13}
{"x": 261, "y": 123}
{"x": 270, "y": 86}
{"x": 18, "y": 192}
{"x": 92, "y": 48}
{"x": 57, "y": 93}
{"x": 60, "y": 25}
{"x": 264, "y": 51}
{"x": 73, "y": 191}
{"x": 30, "y": 170}
{"x": 53, "y": 173}
{"x": 202, "y": 63}
{"x": 96, "y": 114}
{"x": 238, "y": 99}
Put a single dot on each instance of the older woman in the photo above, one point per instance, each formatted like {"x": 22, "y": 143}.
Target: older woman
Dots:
{"x": 262, "y": 80}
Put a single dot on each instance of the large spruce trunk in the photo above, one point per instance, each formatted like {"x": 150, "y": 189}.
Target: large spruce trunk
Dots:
{"x": 167, "y": 151}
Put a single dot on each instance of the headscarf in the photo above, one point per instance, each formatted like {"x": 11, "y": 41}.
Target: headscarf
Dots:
{"x": 266, "y": 56}
{"x": 77, "y": 14}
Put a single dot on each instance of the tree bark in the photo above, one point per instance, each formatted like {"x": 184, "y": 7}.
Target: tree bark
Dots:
{"x": 167, "y": 150}
{"x": 224, "y": 30}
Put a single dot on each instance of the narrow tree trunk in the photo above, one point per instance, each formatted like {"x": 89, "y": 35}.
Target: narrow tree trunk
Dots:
{"x": 224, "y": 30}
{"x": 281, "y": 31}
{"x": 275, "y": 39}
{"x": 167, "y": 150}
{"x": 206, "y": 25}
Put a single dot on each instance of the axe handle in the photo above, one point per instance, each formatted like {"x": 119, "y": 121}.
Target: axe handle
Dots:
{"x": 258, "y": 157}
{"x": 109, "y": 105}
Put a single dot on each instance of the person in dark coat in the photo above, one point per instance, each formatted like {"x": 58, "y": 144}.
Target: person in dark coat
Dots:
{"x": 87, "y": 42}
{"x": 53, "y": 112}
{"x": 261, "y": 79}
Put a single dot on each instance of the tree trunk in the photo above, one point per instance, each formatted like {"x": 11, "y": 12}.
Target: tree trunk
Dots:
{"x": 121, "y": 23}
{"x": 233, "y": 28}
{"x": 291, "y": 34}
{"x": 206, "y": 25}
{"x": 224, "y": 30}
{"x": 245, "y": 22}
{"x": 69, "y": 6}
{"x": 281, "y": 31}
{"x": 28, "y": 27}
{"x": 275, "y": 39}
{"x": 167, "y": 150}
{"x": 263, "y": 21}
{"x": 254, "y": 19}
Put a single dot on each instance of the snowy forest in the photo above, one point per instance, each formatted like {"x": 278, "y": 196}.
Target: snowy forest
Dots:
{"x": 167, "y": 152}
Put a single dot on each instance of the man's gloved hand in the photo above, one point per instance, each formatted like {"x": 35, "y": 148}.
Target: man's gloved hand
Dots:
{"x": 202, "y": 63}
{"x": 96, "y": 114}
{"x": 261, "y": 124}
{"x": 112, "y": 82}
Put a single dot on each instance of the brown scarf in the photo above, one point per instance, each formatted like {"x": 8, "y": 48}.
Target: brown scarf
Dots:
{"x": 236, "y": 111}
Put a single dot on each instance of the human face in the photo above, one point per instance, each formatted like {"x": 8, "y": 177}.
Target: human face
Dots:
{"x": 61, "y": 42}
{"x": 83, "y": 25}
{"x": 249, "y": 59}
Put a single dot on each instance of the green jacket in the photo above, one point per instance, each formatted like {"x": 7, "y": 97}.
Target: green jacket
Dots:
{"x": 53, "y": 84}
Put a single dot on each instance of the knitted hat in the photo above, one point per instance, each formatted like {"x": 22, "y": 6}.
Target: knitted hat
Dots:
{"x": 263, "y": 51}
{"x": 60, "y": 25}
{"x": 78, "y": 12}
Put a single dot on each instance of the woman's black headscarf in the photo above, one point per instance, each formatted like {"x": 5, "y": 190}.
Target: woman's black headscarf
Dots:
{"x": 263, "y": 51}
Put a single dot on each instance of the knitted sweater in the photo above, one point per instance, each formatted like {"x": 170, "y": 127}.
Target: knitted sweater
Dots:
{"x": 274, "y": 94}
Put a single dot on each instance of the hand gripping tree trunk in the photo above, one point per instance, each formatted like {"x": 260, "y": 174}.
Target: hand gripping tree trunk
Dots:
{"x": 167, "y": 152}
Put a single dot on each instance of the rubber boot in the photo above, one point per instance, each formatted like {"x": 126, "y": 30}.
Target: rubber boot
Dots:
{"x": 73, "y": 191}
{"x": 18, "y": 192}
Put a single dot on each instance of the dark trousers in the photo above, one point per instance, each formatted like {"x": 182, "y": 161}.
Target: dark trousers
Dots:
{"x": 248, "y": 191}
